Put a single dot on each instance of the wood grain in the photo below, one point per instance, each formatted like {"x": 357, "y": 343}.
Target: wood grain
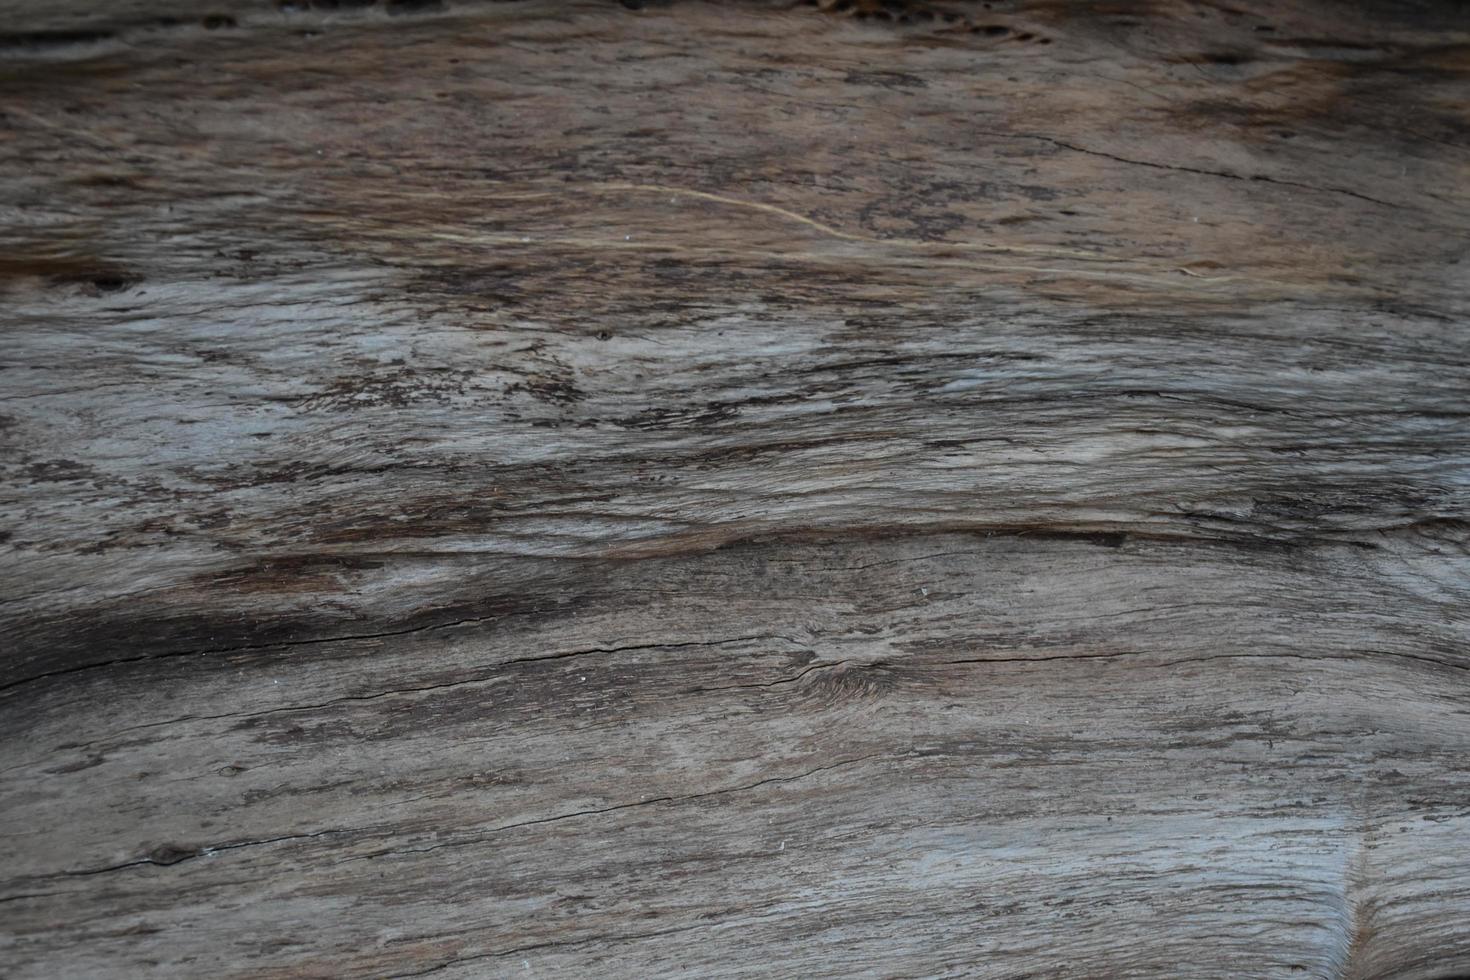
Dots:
{"x": 734, "y": 489}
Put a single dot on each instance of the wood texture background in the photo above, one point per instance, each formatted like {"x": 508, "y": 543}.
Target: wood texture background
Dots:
{"x": 747, "y": 489}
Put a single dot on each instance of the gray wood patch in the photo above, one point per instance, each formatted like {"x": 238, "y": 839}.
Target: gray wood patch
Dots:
{"x": 562, "y": 489}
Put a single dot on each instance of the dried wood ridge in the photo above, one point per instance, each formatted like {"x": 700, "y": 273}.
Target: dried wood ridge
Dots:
{"x": 734, "y": 489}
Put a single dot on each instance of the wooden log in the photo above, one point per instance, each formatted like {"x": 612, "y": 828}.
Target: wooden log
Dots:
{"x": 734, "y": 489}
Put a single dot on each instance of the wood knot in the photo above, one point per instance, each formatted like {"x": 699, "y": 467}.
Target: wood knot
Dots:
{"x": 848, "y": 682}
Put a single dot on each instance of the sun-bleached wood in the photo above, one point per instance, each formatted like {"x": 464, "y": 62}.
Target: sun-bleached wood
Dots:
{"x": 693, "y": 489}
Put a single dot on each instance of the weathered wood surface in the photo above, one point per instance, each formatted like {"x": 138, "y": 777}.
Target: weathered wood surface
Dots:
{"x": 555, "y": 489}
